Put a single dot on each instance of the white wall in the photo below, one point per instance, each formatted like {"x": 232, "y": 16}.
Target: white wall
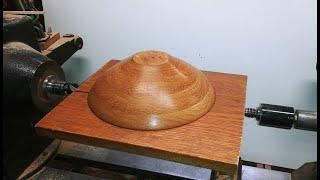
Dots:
{"x": 271, "y": 41}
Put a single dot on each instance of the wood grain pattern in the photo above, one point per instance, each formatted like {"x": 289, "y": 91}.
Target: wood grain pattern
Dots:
{"x": 151, "y": 90}
{"x": 213, "y": 141}
{"x": 22, "y": 12}
{"x": 52, "y": 39}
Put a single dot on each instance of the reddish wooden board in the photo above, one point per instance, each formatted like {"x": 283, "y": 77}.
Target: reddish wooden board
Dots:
{"x": 213, "y": 141}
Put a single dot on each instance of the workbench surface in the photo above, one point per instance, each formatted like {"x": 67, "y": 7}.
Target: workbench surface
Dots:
{"x": 213, "y": 141}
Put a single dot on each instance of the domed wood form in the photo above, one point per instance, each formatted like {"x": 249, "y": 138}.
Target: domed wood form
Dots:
{"x": 151, "y": 90}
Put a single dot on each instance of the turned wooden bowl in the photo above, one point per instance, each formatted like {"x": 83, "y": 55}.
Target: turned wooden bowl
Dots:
{"x": 151, "y": 90}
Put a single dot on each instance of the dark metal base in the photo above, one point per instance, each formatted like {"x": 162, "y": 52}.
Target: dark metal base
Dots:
{"x": 41, "y": 160}
{"x": 78, "y": 161}
{"x": 20, "y": 143}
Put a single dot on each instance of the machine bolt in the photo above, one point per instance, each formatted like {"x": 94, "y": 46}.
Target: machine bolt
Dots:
{"x": 78, "y": 43}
